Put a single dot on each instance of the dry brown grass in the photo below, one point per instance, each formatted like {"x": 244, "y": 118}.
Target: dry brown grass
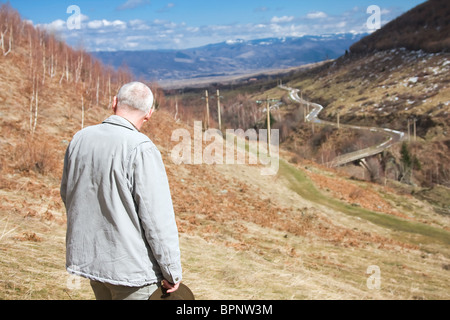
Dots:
{"x": 258, "y": 240}
{"x": 34, "y": 154}
{"x": 360, "y": 194}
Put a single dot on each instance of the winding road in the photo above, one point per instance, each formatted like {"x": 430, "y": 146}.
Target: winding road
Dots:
{"x": 393, "y": 136}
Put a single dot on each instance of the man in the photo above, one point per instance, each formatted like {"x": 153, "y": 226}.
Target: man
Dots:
{"x": 121, "y": 229}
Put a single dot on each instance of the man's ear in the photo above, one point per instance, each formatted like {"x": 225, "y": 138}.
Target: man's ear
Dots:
{"x": 114, "y": 105}
{"x": 149, "y": 115}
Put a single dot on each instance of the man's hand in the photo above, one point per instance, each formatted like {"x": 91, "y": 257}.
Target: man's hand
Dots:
{"x": 170, "y": 287}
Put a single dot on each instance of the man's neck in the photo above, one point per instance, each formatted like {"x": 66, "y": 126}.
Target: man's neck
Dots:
{"x": 131, "y": 119}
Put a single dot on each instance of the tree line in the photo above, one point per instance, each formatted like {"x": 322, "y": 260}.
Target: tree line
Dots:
{"x": 50, "y": 60}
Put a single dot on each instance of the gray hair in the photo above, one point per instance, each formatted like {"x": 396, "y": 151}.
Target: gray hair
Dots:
{"x": 135, "y": 95}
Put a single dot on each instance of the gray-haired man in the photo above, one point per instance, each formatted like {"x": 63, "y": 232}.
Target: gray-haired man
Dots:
{"x": 121, "y": 229}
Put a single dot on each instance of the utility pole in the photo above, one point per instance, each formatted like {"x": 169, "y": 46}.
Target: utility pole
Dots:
{"x": 176, "y": 109}
{"x": 415, "y": 120}
{"x": 409, "y": 132}
{"x": 339, "y": 119}
{"x": 303, "y": 106}
{"x": 268, "y": 120}
{"x": 268, "y": 125}
{"x": 219, "y": 111}
{"x": 307, "y": 112}
{"x": 207, "y": 110}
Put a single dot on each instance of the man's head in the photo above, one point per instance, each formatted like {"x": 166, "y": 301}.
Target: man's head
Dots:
{"x": 135, "y": 103}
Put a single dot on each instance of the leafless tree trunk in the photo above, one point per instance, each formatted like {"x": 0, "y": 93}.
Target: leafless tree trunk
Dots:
{"x": 82, "y": 111}
{"x": 36, "y": 110}
{"x": 10, "y": 41}
{"x": 34, "y": 99}
{"x": 109, "y": 89}
{"x": 176, "y": 109}
{"x": 43, "y": 63}
{"x": 98, "y": 88}
{"x": 54, "y": 66}
{"x": 31, "y": 105}
{"x": 67, "y": 67}
{"x": 79, "y": 67}
{"x": 31, "y": 50}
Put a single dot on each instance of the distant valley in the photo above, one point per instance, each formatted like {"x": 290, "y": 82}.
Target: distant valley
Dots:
{"x": 235, "y": 57}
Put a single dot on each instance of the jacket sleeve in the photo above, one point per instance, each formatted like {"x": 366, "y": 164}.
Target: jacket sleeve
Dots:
{"x": 63, "y": 187}
{"x": 152, "y": 197}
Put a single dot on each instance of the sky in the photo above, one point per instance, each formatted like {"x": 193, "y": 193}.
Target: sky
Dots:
{"x": 111, "y": 25}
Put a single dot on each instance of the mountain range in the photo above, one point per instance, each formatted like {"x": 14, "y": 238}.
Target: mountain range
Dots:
{"x": 233, "y": 57}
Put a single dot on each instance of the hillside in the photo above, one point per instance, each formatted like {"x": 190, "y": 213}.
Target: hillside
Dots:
{"x": 425, "y": 27}
{"x": 305, "y": 233}
{"x": 398, "y": 88}
{"x": 230, "y": 58}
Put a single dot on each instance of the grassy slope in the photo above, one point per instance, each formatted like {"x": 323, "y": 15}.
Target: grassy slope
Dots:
{"x": 375, "y": 87}
{"x": 305, "y": 188}
{"x": 260, "y": 228}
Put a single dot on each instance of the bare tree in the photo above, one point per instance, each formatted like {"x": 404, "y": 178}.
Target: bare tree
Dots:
{"x": 3, "y": 34}
{"x": 79, "y": 68}
{"x": 82, "y": 111}
{"x": 36, "y": 108}
{"x": 34, "y": 103}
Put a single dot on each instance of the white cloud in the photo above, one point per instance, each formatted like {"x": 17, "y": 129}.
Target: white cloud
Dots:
{"x": 132, "y": 45}
{"x": 158, "y": 21}
{"x": 138, "y": 24}
{"x": 283, "y": 19}
{"x": 317, "y": 15}
{"x": 193, "y": 29}
{"x": 132, "y": 4}
{"x": 116, "y": 24}
{"x": 170, "y": 25}
{"x": 58, "y": 26}
{"x": 99, "y": 24}
{"x": 84, "y": 18}
{"x": 261, "y": 9}
{"x": 55, "y": 26}
{"x": 96, "y": 24}
{"x": 162, "y": 33}
{"x": 166, "y": 8}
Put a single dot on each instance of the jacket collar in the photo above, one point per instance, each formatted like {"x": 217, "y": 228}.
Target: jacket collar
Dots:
{"x": 120, "y": 121}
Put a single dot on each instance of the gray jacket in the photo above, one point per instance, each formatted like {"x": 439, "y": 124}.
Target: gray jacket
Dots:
{"x": 121, "y": 225}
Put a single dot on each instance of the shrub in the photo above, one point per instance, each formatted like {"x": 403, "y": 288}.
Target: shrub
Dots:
{"x": 33, "y": 154}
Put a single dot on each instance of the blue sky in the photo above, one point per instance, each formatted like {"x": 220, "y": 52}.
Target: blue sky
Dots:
{"x": 178, "y": 24}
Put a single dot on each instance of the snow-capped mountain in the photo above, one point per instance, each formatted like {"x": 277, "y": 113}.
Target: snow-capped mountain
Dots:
{"x": 235, "y": 56}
